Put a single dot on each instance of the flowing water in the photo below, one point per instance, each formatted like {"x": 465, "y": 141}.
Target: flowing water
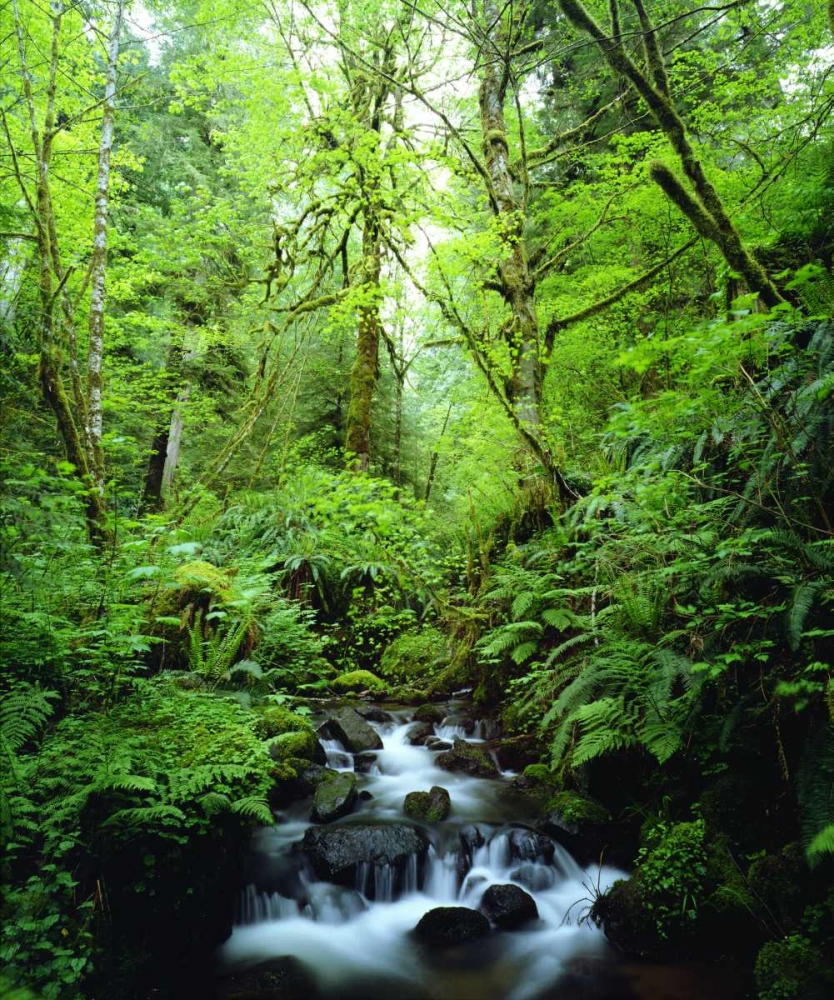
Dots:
{"x": 358, "y": 942}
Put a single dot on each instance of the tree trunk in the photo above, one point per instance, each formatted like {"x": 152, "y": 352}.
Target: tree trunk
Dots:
{"x": 365, "y": 371}
{"x": 98, "y": 269}
{"x": 516, "y": 281}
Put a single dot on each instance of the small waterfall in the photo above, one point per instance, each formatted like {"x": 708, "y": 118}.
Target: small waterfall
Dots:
{"x": 338, "y": 757}
{"x": 255, "y": 906}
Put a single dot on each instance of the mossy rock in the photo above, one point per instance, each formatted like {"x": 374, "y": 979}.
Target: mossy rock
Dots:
{"x": 627, "y": 922}
{"x": 779, "y": 882}
{"x": 334, "y": 797}
{"x": 429, "y": 713}
{"x": 433, "y": 806}
{"x": 275, "y": 720}
{"x": 355, "y": 681}
{"x": 792, "y": 969}
{"x": 302, "y": 743}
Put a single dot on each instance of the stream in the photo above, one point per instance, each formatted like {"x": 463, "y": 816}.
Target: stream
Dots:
{"x": 356, "y": 939}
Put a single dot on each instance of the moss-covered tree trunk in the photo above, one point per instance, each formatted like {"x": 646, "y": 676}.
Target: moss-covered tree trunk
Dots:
{"x": 365, "y": 371}
{"x": 517, "y": 285}
{"x": 51, "y": 276}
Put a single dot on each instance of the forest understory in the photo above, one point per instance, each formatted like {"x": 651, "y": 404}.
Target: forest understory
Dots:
{"x": 417, "y": 507}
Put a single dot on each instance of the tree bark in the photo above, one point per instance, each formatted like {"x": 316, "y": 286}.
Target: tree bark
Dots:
{"x": 516, "y": 281}
{"x": 365, "y": 371}
{"x": 95, "y": 417}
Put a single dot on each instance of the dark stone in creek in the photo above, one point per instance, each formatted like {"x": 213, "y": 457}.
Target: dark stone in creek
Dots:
{"x": 527, "y": 845}
{"x": 351, "y": 730}
{"x": 466, "y": 759}
{"x": 373, "y": 714}
{"x": 431, "y": 807}
{"x": 418, "y": 734}
{"x": 363, "y": 762}
{"x": 579, "y": 823}
{"x": 335, "y": 797}
{"x": 471, "y": 839}
{"x": 281, "y": 979}
{"x": 365, "y": 795}
{"x": 336, "y": 851}
{"x": 450, "y": 925}
{"x": 429, "y": 713}
{"x": 509, "y": 906}
{"x": 435, "y": 743}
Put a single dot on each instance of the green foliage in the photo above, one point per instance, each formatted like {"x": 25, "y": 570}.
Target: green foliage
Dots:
{"x": 359, "y": 680}
{"x": 672, "y": 872}
{"x": 792, "y": 968}
{"x": 414, "y": 656}
{"x": 162, "y": 768}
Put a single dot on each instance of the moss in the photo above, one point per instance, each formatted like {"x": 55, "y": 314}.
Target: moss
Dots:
{"x": 541, "y": 775}
{"x": 414, "y": 656}
{"x": 296, "y": 744}
{"x": 275, "y": 720}
{"x": 359, "y": 680}
{"x": 575, "y": 808}
{"x": 429, "y": 713}
{"x": 777, "y": 881}
{"x": 429, "y": 807}
{"x": 790, "y": 969}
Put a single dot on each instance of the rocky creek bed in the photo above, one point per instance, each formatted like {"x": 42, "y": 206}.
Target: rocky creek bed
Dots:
{"x": 409, "y": 866}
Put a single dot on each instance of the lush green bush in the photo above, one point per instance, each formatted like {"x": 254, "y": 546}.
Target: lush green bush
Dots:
{"x": 145, "y": 779}
{"x": 415, "y": 656}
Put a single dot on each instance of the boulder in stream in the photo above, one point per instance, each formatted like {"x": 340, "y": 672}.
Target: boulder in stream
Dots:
{"x": 466, "y": 759}
{"x": 363, "y": 762}
{"x": 418, "y": 734}
{"x": 429, "y": 713}
{"x": 351, "y": 730}
{"x": 450, "y": 925}
{"x": 335, "y": 852}
{"x": 431, "y": 807}
{"x": 373, "y": 714}
{"x": 280, "y": 979}
{"x": 579, "y": 823}
{"x": 436, "y": 743}
{"x": 509, "y": 906}
{"x": 335, "y": 797}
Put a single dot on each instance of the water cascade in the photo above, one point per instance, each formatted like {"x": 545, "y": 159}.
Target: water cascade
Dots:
{"x": 354, "y": 932}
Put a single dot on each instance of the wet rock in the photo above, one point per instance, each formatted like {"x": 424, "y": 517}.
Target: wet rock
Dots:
{"x": 466, "y": 759}
{"x": 429, "y": 713}
{"x": 509, "y": 906}
{"x": 581, "y": 824}
{"x": 471, "y": 839}
{"x": 363, "y": 762}
{"x": 450, "y": 925}
{"x": 418, "y": 734}
{"x": 436, "y": 743}
{"x": 336, "y": 851}
{"x": 351, "y": 730}
{"x": 334, "y": 797}
{"x": 281, "y": 979}
{"x": 528, "y": 845}
{"x": 431, "y": 807}
{"x": 627, "y": 922}
{"x": 299, "y": 778}
{"x": 365, "y": 795}
{"x": 374, "y": 714}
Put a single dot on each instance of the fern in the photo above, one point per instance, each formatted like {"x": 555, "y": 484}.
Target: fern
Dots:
{"x": 24, "y": 712}
{"x": 254, "y": 808}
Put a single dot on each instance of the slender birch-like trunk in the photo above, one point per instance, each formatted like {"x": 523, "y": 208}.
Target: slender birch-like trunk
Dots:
{"x": 95, "y": 417}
